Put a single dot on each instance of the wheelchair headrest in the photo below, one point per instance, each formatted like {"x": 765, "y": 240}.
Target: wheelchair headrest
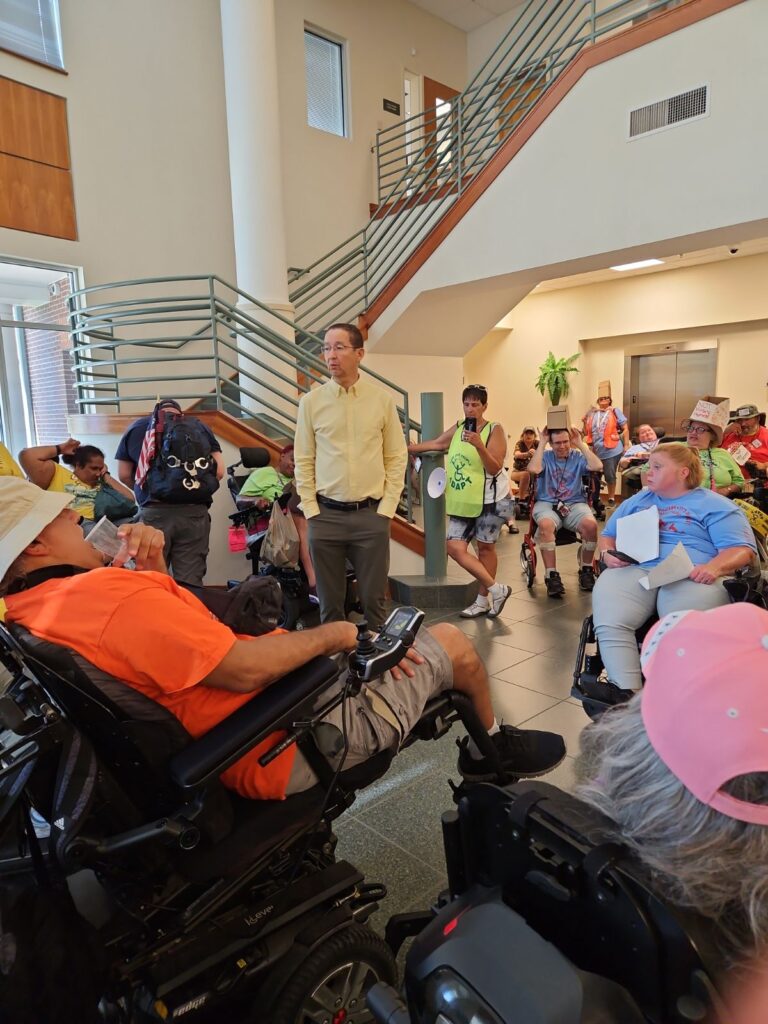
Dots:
{"x": 254, "y": 458}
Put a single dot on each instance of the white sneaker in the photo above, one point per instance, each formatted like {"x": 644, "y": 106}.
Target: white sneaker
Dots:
{"x": 476, "y": 609}
{"x": 498, "y": 594}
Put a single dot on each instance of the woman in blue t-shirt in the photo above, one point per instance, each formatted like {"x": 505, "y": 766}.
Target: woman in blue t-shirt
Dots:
{"x": 714, "y": 532}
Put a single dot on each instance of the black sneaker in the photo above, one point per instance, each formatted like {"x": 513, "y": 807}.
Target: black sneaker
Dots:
{"x": 587, "y": 577}
{"x": 554, "y": 584}
{"x": 523, "y": 752}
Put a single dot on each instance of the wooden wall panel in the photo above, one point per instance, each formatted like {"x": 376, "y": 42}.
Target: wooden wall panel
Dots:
{"x": 36, "y": 192}
{"x": 35, "y": 197}
{"x": 33, "y": 124}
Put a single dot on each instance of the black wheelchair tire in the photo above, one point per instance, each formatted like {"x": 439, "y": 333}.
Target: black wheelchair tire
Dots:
{"x": 528, "y": 565}
{"x": 356, "y": 952}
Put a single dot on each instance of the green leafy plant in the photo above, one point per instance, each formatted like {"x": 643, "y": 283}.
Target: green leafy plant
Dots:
{"x": 553, "y": 377}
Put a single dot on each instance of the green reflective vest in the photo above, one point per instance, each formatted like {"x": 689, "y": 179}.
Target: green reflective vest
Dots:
{"x": 465, "y": 490}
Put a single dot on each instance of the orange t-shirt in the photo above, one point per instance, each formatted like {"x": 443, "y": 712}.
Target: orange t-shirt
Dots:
{"x": 157, "y": 637}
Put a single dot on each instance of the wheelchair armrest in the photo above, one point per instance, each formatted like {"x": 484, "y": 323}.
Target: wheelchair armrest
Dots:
{"x": 269, "y": 711}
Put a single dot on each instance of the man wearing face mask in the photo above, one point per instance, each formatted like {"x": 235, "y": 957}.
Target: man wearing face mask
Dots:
{"x": 350, "y": 458}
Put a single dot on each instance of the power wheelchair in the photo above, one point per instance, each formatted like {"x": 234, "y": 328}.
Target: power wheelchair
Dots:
{"x": 590, "y": 683}
{"x": 547, "y": 918}
{"x": 185, "y": 899}
{"x": 299, "y": 611}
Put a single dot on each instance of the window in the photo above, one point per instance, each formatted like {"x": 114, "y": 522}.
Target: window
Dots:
{"x": 324, "y": 68}
{"x": 31, "y": 29}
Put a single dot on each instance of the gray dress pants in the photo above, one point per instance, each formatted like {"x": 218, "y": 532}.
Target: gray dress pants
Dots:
{"x": 187, "y": 531}
{"x": 363, "y": 538}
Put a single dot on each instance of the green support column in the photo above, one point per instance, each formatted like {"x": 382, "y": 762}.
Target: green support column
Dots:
{"x": 432, "y": 425}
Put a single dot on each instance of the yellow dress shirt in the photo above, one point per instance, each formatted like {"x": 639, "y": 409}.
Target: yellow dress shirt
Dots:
{"x": 8, "y": 465}
{"x": 349, "y": 446}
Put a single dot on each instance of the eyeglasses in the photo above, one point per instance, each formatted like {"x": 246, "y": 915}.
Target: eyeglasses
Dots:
{"x": 699, "y": 430}
{"x": 327, "y": 349}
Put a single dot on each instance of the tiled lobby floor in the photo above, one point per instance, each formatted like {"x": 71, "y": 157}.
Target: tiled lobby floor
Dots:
{"x": 392, "y": 832}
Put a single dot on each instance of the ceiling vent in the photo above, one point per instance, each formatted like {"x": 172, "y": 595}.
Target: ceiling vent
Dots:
{"x": 687, "y": 106}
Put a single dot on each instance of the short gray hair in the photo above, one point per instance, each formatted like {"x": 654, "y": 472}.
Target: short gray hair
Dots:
{"x": 699, "y": 858}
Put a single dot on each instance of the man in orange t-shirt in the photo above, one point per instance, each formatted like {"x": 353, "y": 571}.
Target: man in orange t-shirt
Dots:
{"x": 141, "y": 627}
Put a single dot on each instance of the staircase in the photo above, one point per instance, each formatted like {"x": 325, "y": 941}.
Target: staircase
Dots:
{"x": 430, "y": 164}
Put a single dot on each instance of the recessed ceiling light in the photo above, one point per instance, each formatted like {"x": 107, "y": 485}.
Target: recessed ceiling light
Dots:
{"x": 639, "y": 265}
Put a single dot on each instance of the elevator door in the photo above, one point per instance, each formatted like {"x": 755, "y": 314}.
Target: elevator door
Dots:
{"x": 666, "y": 387}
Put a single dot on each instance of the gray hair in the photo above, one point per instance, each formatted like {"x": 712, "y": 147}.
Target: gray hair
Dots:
{"x": 699, "y": 858}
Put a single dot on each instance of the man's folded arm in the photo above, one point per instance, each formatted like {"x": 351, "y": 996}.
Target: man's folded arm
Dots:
{"x": 252, "y": 665}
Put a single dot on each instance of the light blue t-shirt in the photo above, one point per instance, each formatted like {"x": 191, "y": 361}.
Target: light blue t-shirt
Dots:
{"x": 560, "y": 479}
{"x": 706, "y": 523}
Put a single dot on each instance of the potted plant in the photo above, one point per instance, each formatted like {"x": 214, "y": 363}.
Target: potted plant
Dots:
{"x": 553, "y": 376}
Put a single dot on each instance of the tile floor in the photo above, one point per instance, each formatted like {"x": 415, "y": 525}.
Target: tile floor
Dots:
{"x": 392, "y": 832}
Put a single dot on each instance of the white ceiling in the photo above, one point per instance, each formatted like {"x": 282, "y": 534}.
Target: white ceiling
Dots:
{"x": 467, "y": 14}
{"x": 685, "y": 259}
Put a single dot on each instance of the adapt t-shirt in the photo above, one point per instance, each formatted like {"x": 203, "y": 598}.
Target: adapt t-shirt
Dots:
{"x": 705, "y": 521}
{"x": 83, "y": 495}
{"x": 143, "y": 628}
{"x": 560, "y": 479}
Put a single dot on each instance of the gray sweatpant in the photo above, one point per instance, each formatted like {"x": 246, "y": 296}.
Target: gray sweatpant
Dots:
{"x": 620, "y": 606}
{"x": 187, "y": 530}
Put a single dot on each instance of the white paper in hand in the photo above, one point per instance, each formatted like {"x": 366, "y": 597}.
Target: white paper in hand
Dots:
{"x": 436, "y": 483}
{"x": 676, "y": 566}
{"x": 638, "y": 535}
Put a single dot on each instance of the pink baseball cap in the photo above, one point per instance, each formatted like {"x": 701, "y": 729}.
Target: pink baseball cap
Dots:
{"x": 705, "y": 701}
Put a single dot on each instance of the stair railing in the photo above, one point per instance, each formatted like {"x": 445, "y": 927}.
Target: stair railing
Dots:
{"x": 426, "y": 161}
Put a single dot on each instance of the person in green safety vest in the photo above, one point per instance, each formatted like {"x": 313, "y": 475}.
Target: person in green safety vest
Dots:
{"x": 477, "y": 496}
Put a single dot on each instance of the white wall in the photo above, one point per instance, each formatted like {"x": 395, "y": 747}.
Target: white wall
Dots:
{"x": 417, "y": 374}
{"x": 328, "y": 180}
{"x": 147, "y": 132}
{"x": 580, "y": 196}
{"x": 725, "y": 302}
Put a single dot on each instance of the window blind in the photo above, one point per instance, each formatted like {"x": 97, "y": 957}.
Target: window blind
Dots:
{"x": 31, "y": 29}
{"x": 323, "y": 63}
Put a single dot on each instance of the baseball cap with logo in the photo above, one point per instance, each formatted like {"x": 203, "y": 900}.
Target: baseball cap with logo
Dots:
{"x": 705, "y": 701}
{"x": 25, "y": 510}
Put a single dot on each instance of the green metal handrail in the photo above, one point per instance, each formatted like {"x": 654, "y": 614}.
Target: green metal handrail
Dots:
{"x": 203, "y": 332}
{"x": 425, "y": 162}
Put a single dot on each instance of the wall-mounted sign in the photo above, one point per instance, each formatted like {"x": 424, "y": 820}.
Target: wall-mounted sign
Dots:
{"x": 391, "y": 107}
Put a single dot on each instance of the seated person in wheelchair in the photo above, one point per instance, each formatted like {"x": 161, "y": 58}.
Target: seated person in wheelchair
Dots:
{"x": 715, "y": 533}
{"x": 264, "y": 486}
{"x": 634, "y": 461}
{"x": 560, "y": 502}
{"x": 142, "y": 628}
{"x": 682, "y": 769}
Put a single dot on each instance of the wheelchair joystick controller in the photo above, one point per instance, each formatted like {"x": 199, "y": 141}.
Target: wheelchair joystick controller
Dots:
{"x": 374, "y": 655}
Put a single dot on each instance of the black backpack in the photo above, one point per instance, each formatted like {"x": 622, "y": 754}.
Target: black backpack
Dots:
{"x": 253, "y": 607}
{"x": 183, "y": 471}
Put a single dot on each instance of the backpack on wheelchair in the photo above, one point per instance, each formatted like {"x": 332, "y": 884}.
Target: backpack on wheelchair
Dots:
{"x": 298, "y": 608}
{"x": 167, "y": 894}
{"x": 547, "y": 918}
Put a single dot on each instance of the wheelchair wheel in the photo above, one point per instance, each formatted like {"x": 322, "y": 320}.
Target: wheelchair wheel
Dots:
{"x": 528, "y": 564}
{"x": 332, "y": 982}
{"x": 291, "y": 611}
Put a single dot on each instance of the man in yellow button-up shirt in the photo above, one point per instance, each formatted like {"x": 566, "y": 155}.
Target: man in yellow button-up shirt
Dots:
{"x": 350, "y": 465}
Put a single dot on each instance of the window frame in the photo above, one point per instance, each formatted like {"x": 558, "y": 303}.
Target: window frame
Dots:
{"x": 343, "y": 45}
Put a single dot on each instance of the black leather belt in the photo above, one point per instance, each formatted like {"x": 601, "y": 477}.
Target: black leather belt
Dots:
{"x": 347, "y": 506}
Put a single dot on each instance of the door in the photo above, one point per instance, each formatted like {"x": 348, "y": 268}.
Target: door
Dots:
{"x": 666, "y": 387}
{"x": 439, "y": 133}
